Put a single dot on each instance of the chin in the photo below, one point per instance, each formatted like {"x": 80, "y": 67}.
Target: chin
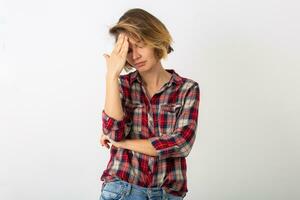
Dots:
{"x": 144, "y": 68}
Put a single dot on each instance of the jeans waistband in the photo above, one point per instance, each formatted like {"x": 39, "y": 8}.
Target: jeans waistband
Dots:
{"x": 140, "y": 187}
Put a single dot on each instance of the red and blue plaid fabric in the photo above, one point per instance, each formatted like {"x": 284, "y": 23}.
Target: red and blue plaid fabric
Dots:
{"x": 168, "y": 120}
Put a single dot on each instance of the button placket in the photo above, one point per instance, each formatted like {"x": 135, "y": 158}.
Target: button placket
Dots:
{"x": 150, "y": 119}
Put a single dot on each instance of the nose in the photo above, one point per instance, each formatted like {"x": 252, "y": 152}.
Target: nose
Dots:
{"x": 135, "y": 54}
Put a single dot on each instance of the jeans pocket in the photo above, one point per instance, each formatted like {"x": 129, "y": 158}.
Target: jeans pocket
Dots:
{"x": 112, "y": 191}
{"x": 168, "y": 196}
{"x": 173, "y": 197}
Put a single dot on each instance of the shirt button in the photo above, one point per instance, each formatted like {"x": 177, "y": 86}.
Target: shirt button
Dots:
{"x": 150, "y": 119}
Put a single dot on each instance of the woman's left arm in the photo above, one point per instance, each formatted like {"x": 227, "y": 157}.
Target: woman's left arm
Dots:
{"x": 139, "y": 145}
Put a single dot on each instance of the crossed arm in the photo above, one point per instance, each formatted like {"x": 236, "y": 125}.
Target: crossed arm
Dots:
{"x": 139, "y": 145}
{"x": 177, "y": 144}
{"x": 114, "y": 123}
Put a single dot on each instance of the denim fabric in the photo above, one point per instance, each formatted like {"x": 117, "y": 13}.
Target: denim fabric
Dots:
{"x": 122, "y": 190}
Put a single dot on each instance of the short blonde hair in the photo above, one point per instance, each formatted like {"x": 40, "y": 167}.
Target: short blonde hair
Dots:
{"x": 143, "y": 26}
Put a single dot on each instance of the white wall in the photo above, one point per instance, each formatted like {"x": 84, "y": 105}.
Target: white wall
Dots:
{"x": 244, "y": 54}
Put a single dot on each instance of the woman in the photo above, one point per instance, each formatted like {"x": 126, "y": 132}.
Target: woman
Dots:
{"x": 150, "y": 114}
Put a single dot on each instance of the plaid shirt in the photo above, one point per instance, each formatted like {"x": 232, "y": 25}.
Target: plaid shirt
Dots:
{"x": 168, "y": 120}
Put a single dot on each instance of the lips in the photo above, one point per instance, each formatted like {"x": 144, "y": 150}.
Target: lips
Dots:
{"x": 139, "y": 64}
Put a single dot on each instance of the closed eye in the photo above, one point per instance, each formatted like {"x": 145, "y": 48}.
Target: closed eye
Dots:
{"x": 140, "y": 46}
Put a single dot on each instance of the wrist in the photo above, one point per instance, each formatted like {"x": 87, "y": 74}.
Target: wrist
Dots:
{"x": 110, "y": 77}
{"x": 123, "y": 144}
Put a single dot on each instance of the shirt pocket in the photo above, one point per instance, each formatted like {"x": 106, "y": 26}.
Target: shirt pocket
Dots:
{"x": 167, "y": 117}
{"x": 136, "y": 112}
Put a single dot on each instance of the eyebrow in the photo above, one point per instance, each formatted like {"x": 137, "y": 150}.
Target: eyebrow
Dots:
{"x": 136, "y": 43}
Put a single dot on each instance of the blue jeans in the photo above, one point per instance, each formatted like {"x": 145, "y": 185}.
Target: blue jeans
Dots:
{"x": 123, "y": 190}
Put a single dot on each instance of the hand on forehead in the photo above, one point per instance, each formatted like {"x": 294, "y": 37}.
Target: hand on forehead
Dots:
{"x": 132, "y": 40}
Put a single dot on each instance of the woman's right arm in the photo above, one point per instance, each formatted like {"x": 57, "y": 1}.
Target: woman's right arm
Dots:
{"x": 115, "y": 63}
{"x": 113, "y": 106}
{"x": 113, "y": 115}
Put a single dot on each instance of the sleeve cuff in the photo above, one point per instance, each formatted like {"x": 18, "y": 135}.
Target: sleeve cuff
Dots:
{"x": 163, "y": 148}
{"x": 110, "y": 123}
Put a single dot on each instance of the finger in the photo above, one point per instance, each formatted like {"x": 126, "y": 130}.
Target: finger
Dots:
{"x": 102, "y": 143}
{"x": 106, "y": 57}
{"x": 103, "y": 140}
{"x": 124, "y": 49}
{"x": 119, "y": 43}
{"x": 110, "y": 141}
{"x": 105, "y": 143}
{"x": 123, "y": 39}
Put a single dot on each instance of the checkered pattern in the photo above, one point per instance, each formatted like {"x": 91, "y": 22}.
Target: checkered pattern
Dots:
{"x": 168, "y": 120}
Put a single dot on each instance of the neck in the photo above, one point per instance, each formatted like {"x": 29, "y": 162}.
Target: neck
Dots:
{"x": 155, "y": 76}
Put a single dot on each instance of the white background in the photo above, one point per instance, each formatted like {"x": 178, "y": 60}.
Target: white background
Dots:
{"x": 243, "y": 54}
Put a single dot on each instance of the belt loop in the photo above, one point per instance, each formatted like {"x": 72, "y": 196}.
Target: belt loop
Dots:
{"x": 128, "y": 189}
{"x": 165, "y": 197}
{"x": 102, "y": 186}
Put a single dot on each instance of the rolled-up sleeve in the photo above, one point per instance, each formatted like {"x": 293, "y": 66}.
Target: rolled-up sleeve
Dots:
{"x": 116, "y": 130}
{"x": 180, "y": 142}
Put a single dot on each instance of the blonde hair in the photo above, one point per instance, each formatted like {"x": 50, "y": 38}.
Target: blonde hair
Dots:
{"x": 143, "y": 26}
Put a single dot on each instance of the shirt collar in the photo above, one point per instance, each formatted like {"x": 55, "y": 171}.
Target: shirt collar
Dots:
{"x": 175, "y": 78}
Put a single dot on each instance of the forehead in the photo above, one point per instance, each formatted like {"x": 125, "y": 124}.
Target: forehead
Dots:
{"x": 133, "y": 41}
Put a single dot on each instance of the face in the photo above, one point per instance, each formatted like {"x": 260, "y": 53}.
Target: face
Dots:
{"x": 140, "y": 55}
